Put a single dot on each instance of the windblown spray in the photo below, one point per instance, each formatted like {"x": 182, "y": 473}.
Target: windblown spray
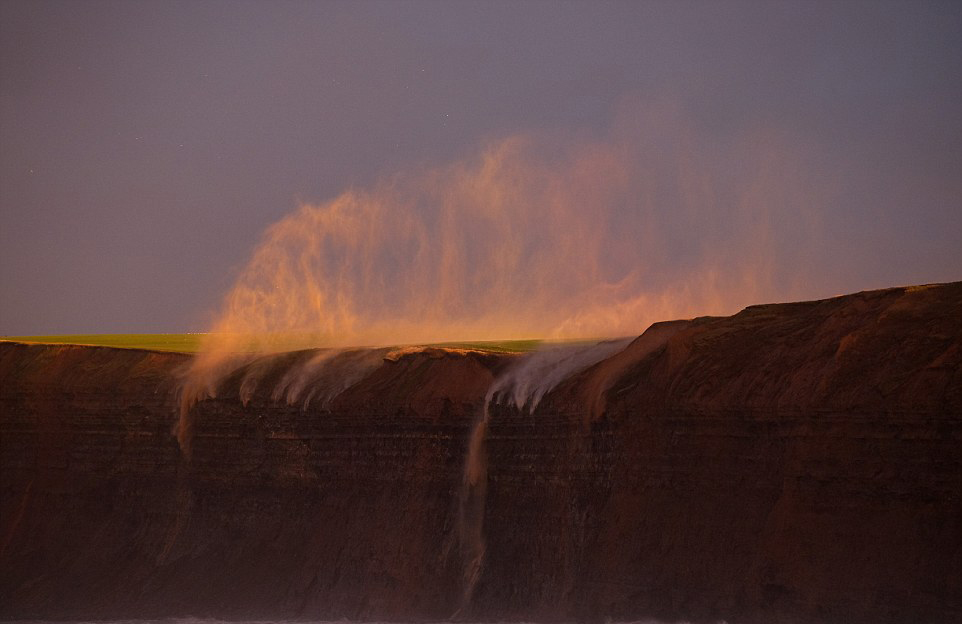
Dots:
{"x": 530, "y": 238}
{"x": 522, "y": 386}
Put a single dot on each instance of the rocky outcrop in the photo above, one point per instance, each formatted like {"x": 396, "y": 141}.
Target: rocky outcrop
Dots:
{"x": 791, "y": 463}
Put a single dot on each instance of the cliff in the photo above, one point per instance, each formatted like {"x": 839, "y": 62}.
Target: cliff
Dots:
{"x": 791, "y": 463}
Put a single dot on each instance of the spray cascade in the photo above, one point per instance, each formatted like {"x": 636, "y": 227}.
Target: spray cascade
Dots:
{"x": 304, "y": 378}
{"x": 531, "y": 238}
{"x": 522, "y": 386}
{"x": 537, "y": 374}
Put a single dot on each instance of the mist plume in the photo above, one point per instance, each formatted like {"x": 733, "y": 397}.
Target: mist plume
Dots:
{"x": 532, "y": 237}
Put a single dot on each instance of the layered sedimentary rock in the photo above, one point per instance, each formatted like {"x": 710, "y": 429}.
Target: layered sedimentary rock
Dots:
{"x": 791, "y": 463}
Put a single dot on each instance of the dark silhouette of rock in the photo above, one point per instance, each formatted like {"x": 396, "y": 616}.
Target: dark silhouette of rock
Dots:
{"x": 791, "y": 463}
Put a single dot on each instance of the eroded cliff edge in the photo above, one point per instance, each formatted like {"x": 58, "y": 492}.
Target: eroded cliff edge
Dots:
{"x": 791, "y": 463}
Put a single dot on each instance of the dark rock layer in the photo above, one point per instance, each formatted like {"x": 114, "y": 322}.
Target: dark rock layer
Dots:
{"x": 792, "y": 463}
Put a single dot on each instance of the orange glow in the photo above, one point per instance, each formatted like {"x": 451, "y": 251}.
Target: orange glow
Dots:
{"x": 531, "y": 238}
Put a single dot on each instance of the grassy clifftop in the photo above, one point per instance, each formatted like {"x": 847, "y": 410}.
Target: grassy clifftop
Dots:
{"x": 191, "y": 343}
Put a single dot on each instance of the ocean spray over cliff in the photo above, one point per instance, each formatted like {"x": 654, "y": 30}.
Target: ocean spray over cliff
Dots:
{"x": 523, "y": 385}
{"x": 532, "y": 237}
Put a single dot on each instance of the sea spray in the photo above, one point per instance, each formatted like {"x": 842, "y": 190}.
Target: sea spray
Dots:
{"x": 473, "y": 497}
{"x": 528, "y": 382}
{"x": 523, "y": 386}
{"x": 531, "y": 236}
{"x": 326, "y": 375}
{"x": 301, "y": 378}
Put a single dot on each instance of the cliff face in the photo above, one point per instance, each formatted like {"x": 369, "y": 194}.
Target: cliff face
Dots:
{"x": 791, "y": 463}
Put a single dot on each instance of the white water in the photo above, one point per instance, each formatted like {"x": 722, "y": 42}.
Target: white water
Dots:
{"x": 536, "y": 375}
{"x": 524, "y": 385}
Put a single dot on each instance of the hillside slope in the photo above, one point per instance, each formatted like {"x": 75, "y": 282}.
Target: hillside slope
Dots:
{"x": 791, "y": 463}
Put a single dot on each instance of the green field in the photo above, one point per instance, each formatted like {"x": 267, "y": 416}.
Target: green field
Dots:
{"x": 185, "y": 343}
{"x": 190, "y": 343}
{"x": 503, "y": 346}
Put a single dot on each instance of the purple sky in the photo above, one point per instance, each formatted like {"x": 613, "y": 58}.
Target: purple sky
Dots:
{"x": 145, "y": 146}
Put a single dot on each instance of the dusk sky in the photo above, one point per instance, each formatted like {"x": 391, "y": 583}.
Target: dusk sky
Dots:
{"x": 146, "y": 146}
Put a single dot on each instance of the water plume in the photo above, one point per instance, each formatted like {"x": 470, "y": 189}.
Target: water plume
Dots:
{"x": 474, "y": 494}
{"x": 325, "y": 375}
{"x": 523, "y": 385}
{"x": 531, "y": 237}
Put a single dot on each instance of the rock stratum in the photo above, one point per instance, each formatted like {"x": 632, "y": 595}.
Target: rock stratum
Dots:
{"x": 791, "y": 463}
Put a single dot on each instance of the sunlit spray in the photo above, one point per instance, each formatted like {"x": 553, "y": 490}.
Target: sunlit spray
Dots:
{"x": 314, "y": 377}
{"x": 532, "y": 237}
{"x": 474, "y": 493}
